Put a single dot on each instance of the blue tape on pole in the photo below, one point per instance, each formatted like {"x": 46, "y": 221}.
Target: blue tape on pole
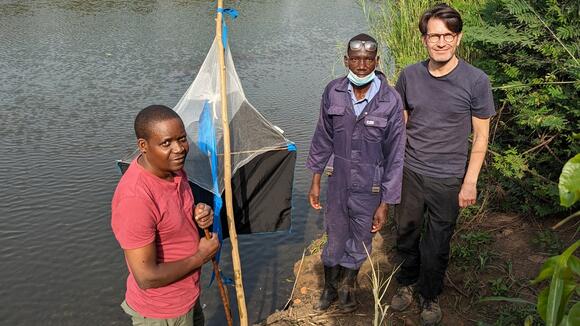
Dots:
{"x": 291, "y": 147}
{"x": 208, "y": 144}
{"x": 230, "y": 12}
{"x": 233, "y": 13}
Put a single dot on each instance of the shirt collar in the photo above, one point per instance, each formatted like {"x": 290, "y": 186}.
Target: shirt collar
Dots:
{"x": 375, "y": 83}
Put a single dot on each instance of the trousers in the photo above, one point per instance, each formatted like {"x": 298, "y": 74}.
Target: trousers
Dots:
{"x": 194, "y": 317}
{"x": 425, "y": 220}
{"x": 348, "y": 222}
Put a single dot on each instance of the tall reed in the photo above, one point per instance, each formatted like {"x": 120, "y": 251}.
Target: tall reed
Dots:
{"x": 380, "y": 284}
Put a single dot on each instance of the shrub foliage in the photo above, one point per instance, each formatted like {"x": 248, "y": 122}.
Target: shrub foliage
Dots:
{"x": 530, "y": 50}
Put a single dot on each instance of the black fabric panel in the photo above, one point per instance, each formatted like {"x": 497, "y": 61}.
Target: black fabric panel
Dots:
{"x": 262, "y": 194}
{"x": 123, "y": 166}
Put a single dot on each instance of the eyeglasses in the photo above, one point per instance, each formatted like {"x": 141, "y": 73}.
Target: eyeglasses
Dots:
{"x": 357, "y": 45}
{"x": 434, "y": 38}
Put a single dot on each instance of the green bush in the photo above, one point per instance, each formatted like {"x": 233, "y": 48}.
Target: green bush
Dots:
{"x": 530, "y": 51}
{"x": 555, "y": 302}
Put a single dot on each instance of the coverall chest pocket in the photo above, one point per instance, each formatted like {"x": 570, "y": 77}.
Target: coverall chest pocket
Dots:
{"x": 374, "y": 128}
{"x": 336, "y": 113}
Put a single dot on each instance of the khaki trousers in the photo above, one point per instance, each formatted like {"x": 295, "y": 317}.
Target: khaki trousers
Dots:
{"x": 194, "y": 317}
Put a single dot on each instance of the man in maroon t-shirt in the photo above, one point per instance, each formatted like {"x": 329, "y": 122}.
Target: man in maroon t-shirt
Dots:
{"x": 152, "y": 219}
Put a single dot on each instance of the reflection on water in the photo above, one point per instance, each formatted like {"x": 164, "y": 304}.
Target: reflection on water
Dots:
{"x": 73, "y": 74}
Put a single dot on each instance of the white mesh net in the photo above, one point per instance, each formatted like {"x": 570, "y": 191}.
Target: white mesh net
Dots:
{"x": 250, "y": 133}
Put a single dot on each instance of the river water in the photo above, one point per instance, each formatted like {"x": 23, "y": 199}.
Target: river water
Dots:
{"x": 74, "y": 73}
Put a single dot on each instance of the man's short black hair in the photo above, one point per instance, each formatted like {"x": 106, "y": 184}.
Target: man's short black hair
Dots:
{"x": 448, "y": 15}
{"x": 360, "y": 37}
{"x": 149, "y": 115}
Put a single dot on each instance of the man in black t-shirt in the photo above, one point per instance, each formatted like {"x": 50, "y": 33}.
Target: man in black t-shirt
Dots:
{"x": 445, "y": 100}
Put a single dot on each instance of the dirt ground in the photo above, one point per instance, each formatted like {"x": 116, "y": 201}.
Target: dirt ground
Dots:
{"x": 495, "y": 255}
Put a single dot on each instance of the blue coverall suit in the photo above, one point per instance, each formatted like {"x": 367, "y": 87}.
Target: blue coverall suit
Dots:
{"x": 368, "y": 152}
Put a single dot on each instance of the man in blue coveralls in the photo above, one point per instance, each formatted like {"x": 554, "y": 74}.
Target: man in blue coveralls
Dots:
{"x": 361, "y": 126}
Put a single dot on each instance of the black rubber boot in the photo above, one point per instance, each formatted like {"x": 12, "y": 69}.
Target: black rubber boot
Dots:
{"x": 346, "y": 291}
{"x": 329, "y": 293}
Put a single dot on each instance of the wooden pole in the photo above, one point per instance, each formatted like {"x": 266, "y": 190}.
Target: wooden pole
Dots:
{"x": 241, "y": 300}
{"x": 223, "y": 292}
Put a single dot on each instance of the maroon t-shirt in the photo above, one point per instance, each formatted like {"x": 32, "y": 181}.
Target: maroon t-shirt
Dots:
{"x": 148, "y": 209}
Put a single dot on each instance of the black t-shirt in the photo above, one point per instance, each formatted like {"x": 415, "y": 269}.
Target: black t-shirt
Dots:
{"x": 440, "y": 111}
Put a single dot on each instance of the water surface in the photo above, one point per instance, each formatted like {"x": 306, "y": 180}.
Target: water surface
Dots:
{"x": 73, "y": 75}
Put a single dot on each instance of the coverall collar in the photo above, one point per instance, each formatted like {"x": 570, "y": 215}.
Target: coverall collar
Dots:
{"x": 382, "y": 96}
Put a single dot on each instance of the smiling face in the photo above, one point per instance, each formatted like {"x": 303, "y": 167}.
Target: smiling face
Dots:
{"x": 165, "y": 148}
{"x": 440, "y": 50}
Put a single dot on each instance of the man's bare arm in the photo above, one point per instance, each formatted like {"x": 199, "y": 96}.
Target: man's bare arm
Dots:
{"x": 314, "y": 193}
{"x": 468, "y": 193}
{"x": 150, "y": 274}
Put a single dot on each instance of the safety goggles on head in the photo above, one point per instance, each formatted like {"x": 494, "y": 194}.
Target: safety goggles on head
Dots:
{"x": 357, "y": 45}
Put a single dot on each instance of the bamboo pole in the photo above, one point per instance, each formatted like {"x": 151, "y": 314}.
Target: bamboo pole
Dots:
{"x": 242, "y": 312}
{"x": 223, "y": 292}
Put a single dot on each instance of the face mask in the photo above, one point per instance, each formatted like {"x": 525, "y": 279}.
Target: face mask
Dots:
{"x": 360, "y": 81}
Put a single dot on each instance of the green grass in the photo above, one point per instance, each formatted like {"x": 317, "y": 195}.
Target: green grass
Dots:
{"x": 514, "y": 314}
{"x": 317, "y": 245}
{"x": 471, "y": 250}
{"x": 548, "y": 242}
{"x": 395, "y": 25}
{"x": 500, "y": 286}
